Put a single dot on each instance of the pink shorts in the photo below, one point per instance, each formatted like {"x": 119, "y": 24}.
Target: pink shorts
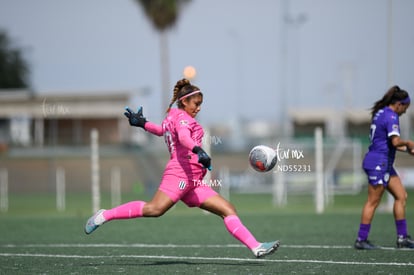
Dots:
{"x": 190, "y": 191}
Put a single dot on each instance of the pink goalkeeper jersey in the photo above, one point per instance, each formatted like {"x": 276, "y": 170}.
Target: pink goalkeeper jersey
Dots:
{"x": 181, "y": 133}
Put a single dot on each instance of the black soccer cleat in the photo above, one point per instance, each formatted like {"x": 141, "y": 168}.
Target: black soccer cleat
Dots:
{"x": 405, "y": 242}
{"x": 364, "y": 245}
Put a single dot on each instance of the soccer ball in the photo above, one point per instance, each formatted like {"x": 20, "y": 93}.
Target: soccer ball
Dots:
{"x": 262, "y": 158}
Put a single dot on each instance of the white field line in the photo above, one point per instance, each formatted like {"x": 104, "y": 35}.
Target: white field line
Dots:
{"x": 200, "y": 259}
{"x": 142, "y": 245}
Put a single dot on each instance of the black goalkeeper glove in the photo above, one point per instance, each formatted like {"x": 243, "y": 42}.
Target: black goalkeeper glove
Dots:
{"x": 135, "y": 119}
{"x": 203, "y": 158}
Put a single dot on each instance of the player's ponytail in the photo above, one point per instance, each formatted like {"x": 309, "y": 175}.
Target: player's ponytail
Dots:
{"x": 176, "y": 91}
{"x": 182, "y": 87}
{"x": 393, "y": 95}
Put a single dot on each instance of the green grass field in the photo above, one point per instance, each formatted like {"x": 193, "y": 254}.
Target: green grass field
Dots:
{"x": 36, "y": 239}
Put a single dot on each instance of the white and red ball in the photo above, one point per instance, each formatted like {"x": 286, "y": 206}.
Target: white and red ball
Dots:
{"x": 262, "y": 158}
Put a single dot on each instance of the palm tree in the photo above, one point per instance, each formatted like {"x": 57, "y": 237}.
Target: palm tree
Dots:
{"x": 163, "y": 14}
{"x": 14, "y": 70}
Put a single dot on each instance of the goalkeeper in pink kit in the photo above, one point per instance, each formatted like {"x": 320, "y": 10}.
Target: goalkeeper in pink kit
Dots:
{"x": 187, "y": 166}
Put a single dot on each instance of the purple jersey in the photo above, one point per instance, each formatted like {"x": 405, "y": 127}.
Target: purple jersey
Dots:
{"x": 381, "y": 152}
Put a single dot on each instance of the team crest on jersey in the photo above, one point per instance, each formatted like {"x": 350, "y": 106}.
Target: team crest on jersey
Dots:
{"x": 395, "y": 126}
{"x": 387, "y": 177}
{"x": 184, "y": 122}
{"x": 181, "y": 185}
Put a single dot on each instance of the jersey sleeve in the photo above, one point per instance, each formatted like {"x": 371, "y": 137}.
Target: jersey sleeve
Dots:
{"x": 393, "y": 126}
{"x": 184, "y": 134}
{"x": 153, "y": 128}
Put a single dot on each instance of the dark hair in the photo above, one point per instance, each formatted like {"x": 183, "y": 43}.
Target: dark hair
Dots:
{"x": 394, "y": 94}
{"x": 182, "y": 87}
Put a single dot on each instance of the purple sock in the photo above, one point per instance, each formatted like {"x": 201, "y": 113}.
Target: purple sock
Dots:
{"x": 363, "y": 231}
{"x": 401, "y": 227}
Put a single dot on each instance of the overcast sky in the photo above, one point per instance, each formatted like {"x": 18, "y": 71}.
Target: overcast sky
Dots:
{"x": 251, "y": 56}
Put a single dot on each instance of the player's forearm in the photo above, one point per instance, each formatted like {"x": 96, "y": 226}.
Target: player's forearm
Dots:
{"x": 402, "y": 145}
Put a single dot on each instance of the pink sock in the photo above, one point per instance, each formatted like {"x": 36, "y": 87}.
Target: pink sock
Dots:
{"x": 128, "y": 210}
{"x": 240, "y": 232}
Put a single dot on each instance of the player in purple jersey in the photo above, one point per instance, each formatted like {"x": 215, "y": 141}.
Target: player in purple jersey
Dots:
{"x": 184, "y": 172}
{"x": 378, "y": 166}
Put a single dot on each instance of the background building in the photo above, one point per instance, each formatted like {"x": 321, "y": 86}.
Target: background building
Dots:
{"x": 28, "y": 119}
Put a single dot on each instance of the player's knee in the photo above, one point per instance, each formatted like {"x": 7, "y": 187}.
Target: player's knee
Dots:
{"x": 401, "y": 199}
{"x": 404, "y": 198}
{"x": 373, "y": 203}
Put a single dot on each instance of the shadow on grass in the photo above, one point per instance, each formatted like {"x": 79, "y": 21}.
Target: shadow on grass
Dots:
{"x": 156, "y": 263}
{"x": 175, "y": 262}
